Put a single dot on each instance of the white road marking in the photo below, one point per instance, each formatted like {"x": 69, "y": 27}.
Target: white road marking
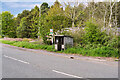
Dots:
{"x": 66, "y": 74}
{"x": 16, "y": 59}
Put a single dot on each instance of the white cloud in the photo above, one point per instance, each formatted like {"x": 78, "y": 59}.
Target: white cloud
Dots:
{"x": 53, "y": 0}
{"x": 17, "y": 5}
{"x": 28, "y": 0}
{"x": 25, "y": 5}
{"x": 15, "y": 15}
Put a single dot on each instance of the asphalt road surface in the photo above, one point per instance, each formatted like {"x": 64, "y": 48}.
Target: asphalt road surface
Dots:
{"x": 18, "y": 63}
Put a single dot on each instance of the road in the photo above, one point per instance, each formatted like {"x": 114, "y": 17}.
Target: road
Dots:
{"x": 18, "y": 63}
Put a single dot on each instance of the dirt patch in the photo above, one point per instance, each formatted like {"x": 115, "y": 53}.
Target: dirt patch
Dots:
{"x": 18, "y": 39}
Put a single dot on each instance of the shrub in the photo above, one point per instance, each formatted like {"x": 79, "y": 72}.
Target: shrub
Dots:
{"x": 114, "y": 43}
{"x": 0, "y": 36}
{"x": 93, "y": 33}
{"x": 49, "y": 42}
{"x": 77, "y": 35}
{"x": 26, "y": 40}
{"x": 103, "y": 51}
{"x": 50, "y": 48}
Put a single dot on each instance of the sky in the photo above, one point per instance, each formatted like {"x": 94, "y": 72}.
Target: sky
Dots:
{"x": 17, "y": 6}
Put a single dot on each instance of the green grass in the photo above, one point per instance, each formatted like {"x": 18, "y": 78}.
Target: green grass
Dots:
{"x": 100, "y": 51}
{"x": 7, "y": 42}
{"x": 28, "y": 45}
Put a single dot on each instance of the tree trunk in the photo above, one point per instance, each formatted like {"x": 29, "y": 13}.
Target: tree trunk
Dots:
{"x": 73, "y": 24}
{"x": 105, "y": 19}
{"x": 116, "y": 24}
{"x": 39, "y": 25}
{"x": 110, "y": 16}
{"x": 111, "y": 12}
{"x": 73, "y": 17}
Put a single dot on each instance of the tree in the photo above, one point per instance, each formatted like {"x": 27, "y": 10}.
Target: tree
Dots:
{"x": 118, "y": 14}
{"x": 24, "y": 13}
{"x": 93, "y": 33}
{"x": 0, "y": 24}
{"x": 56, "y": 18}
{"x": 44, "y": 8}
{"x": 43, "y": 30}
{"x": 8, "y": 28}
{"x": 18, "y": 20}
{"x": 29, "y": 24}
{"x": 75, "y": 13}
{"x": 34, "y": 22}
{"x": 103, "y": 10}
{"x": 53, "y": 19}
{"x": 112, "y": 4}
{"x": 22, "y": 30}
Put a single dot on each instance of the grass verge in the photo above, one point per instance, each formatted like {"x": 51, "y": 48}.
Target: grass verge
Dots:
{"x": 28, "y": 45}
{"x": 96, "y": 52}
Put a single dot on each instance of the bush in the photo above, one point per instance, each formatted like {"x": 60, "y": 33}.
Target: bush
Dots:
{"x": 49, "y": 42}
{"x": 114, "y": 43}
{"x": 105, "y": 52}
{"x": 26, "y": 40}
{"x": 77, "y": 35}
{"x": 70, "y": 50}
{"x": 0, "y": 36}
{"x": 93, "y": 33}
{"x": 99, "y": 51}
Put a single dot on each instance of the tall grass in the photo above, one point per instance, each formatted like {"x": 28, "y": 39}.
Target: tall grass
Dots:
{"x": 28, "y": 45}
{"x": 103, "y": 51}
{"x": 100, "y": 51}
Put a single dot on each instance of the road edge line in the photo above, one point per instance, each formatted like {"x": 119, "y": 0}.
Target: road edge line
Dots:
{"x": 66, "y": 74}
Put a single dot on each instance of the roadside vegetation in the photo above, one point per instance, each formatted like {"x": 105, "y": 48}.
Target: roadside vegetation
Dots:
{"x": 103, "y": 51}
{"x": 25, "y": 44}
{"x": 94, "y": 27}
